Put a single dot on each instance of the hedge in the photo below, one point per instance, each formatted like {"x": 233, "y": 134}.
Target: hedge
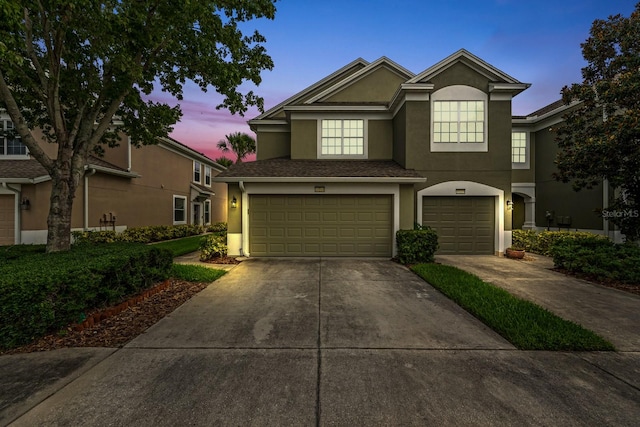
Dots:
{"x": 154, "y": 233}
{"x": 541, "y": 242}
{"x": 416, "y": 245}
{"x": 41, "y": 293}
{"x": 599, "y": 259}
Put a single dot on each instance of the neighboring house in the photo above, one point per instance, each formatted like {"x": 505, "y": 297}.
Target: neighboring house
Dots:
{"x": 374, "y": 148}
{"x": 164, "y": 184}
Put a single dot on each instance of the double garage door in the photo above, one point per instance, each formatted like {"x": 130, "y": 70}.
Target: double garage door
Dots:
{"x": 320, "y": 225}
{"x": 7, "y": 220}
{"x": 465, "y": 225}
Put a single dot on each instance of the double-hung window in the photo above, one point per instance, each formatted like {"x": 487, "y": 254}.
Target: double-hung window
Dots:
{"x": 207, "y": 212}
{"x": 519, "y": 150}
{"x": 179, "y": 210}
{"x": 10, "y": 144}
{"x": 342, "y": 138}
{"x": 196, "y": 171}
{"x": 207, "y": 176}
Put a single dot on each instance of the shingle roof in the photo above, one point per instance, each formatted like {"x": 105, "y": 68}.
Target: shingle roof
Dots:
{"x": 21, "y": 169}
{"x": 548, "y": 108}
{"x": 31, "y": 169}
{"x": 287, "y": 168}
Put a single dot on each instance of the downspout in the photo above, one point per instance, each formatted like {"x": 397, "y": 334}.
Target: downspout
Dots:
{"x": 245, "y": 225}
{"x": 87, "y": 174}
{"x": 18, "y": 218}
{"x": 129, "y": 154}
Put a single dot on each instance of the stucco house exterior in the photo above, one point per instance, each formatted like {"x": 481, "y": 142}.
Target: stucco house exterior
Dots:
{"x": 374, "y": 148}
{"x": 164, "y": 184}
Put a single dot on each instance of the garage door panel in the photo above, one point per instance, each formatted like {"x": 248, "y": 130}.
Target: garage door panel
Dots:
{"x": 465, "y": 225}
{"x": 330, "y": 225}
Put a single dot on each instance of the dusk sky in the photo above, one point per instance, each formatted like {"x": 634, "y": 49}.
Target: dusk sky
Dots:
{"x": 536, "y": 42}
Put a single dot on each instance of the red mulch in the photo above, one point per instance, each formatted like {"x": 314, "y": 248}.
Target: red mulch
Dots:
{"x": 117, "y": 330}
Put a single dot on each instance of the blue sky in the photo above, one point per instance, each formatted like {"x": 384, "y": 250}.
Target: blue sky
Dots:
{"x": 536, "y": 42}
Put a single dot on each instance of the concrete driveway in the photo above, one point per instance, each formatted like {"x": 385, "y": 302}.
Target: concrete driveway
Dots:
{"x": 332, "y": 342}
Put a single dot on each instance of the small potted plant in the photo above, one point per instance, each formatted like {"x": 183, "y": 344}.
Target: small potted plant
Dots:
{"x": 515, "y": 253}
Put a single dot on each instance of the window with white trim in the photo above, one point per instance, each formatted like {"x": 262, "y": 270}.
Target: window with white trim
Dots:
{"x": 179, "y": 210}
{"x": 10, "y": 144}
{"x": 196, "y": 171}
{"x": 207, "y": 212}
{"x": 207, "y": 176}
{"x": 342, "y": 137}
{"x": 458, "y": 121}
{"x": 519, "y": 150}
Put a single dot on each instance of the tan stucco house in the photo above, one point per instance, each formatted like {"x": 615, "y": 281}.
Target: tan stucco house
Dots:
{"x": 374, "y": 148}
{"x": 164, "y": 184}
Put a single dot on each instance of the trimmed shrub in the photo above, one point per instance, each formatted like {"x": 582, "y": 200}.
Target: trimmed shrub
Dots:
{"x": 541, "y": 242}
{"x": 41, "y": 293}
{"x": 219, "y": 228}
{"x": 416, "y": 245}
{"x": 213, "y": 246}
{"x": 598, "y": 258}
{"x": 155, "y": 233}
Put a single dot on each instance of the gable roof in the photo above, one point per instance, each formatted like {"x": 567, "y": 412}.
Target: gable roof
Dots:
{"x": 352, "y": 66}
{"x": 355, "y": 77}
{"x": 285, "y": 169}
{"x": 469, "y": 59}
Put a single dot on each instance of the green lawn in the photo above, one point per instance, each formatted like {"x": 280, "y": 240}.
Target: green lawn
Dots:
{"x": 181, "y": 246}
{"x": 196, "y": 273}
{"x": 526, "y": 325}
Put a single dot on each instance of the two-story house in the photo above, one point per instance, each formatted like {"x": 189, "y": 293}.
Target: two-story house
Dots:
{"x": 374, "y": 148}
{"x": 164, "y": 184}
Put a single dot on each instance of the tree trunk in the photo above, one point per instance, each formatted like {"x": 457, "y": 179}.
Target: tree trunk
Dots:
{"x": 63, "y": 191}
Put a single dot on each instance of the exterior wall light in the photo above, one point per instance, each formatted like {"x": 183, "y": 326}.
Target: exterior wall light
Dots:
{"x": 509, "y": 205}
{"x": 234, "y": 202}
{"x": 25, "y": 205}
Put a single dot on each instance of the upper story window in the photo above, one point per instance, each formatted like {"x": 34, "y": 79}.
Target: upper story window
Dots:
{"x": 519, "y": 150}
{"x": 10, "y": 144}
{"x": 196, "y": 171}
{"x": 207, "y": 176}
{"x": 459, "y": 119}
{"x": 342, "y": 138}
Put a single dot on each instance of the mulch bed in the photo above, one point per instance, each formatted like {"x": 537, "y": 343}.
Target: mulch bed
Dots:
{"x": 223, "y": 260}
{"x": 118, "y": 329}
{"x": 626, "y": 287}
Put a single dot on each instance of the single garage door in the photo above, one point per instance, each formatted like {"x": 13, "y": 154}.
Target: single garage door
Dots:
{"x": 7, "y": 219}
{"x": 465, "y": 225}
{"x": 315, "y": 225}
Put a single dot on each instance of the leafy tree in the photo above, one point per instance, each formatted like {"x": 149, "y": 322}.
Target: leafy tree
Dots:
{"x": 224, "y": 161}
{"x": 79, "y": 69}
{"x": 600, "y": 137}
{"x": 240, "y": 143}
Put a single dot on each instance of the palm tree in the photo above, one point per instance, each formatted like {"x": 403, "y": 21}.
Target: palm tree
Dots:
{"x": 240, "y": 143}
{"x": 223, "y": 161}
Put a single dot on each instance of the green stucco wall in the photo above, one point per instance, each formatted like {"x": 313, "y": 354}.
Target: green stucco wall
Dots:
{"x": 559, "y": 197}
{"x": 304, "y": 134}
{"x": 273, "y": 145}
{"x": 380, "y": 139}
{"x": 407, "y": 207}
{"x": 378, "y": 87}
{"x": 234, "y": 217}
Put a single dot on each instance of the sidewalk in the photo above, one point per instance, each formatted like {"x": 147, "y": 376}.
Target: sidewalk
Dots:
{"x": 613, "y": 314}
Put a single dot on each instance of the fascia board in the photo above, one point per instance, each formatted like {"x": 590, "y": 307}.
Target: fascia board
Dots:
{"x": 311, "y": 88}
{"x": 381, "y": 62}
{"x": 112, "y": 171}
{"x": 352, "y": 108}
{"x": 377, "y": 180}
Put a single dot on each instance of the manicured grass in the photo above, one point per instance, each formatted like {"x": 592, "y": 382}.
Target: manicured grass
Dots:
{"x": 196, "y": 273}
{"x": 526, "y": 325}
{"x": 181, "y": 246}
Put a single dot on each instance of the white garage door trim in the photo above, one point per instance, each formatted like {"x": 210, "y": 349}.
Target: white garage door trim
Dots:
{"x": 310, "y": 188}
{"x": 453, "y": 188}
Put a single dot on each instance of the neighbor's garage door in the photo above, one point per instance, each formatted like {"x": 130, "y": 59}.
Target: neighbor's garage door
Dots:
{"x": 7, "y": 220}
{"x": 313, "y": 225}
{"x": 465, "y": 225}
